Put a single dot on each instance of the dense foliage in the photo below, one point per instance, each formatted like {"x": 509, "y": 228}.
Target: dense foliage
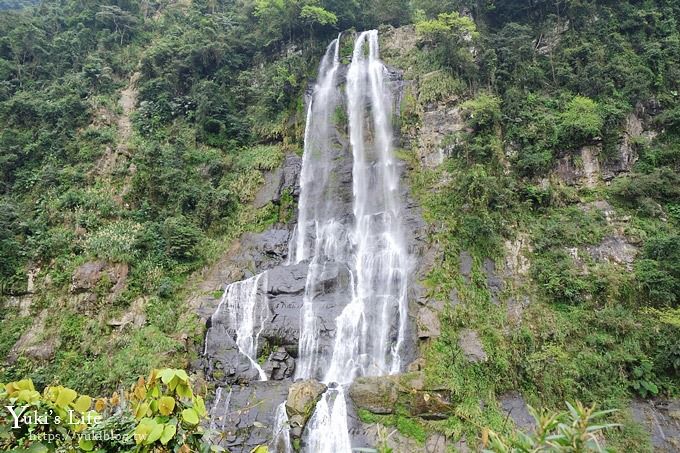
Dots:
{"x": 158, "y": 414}
{"x": 137, "y": 133}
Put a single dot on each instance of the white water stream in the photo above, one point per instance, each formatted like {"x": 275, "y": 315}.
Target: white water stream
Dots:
{"x": 371, "y": 328}
{"x": 366, "y": 238}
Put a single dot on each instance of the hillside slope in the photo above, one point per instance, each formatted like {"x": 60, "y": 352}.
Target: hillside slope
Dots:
{"x": 146, "y": 146}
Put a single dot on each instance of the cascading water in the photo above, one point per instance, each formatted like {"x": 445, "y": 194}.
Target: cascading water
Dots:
{"x": 281, "y": 440}
{"x": 371, "y": 327}
{"x": 320, "y": 234}
{"x": 358, "y": 233}
{"x": 246, "y": 309}
{"x": 220, "y": 409}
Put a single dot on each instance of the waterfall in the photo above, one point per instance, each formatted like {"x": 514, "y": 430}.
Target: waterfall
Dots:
{"x": 358, "y": 231}
{"x": 281, "y": 440}
{"x": 320, "y": 234}
{"x": 371, "y": 328}
{"x": 220, "y": 415}
{"x": 246, "y": 307}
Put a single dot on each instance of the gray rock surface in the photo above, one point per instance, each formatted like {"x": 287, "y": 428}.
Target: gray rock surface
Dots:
{"x": 493, "y": 281}
{"x": 580, "y": 167}
{"x": 376, "y": 394}
{"x": 428, "y": 323}
{"x": 290, "y": 177}
{"x": 248, "y": 421}
{"x": 662, "y": 419}
{"x": 472, "y": 346}
{"x": 465, "y": 265}
{"x": 614, "y": 249}
{"x": 515, "y": 407}
{"x": 270, "y": 190}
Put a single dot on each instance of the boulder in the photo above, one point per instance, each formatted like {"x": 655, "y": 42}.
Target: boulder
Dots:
{"x": 377, "y": 394}
{"x": 302, "y": 398}
{"x": 280, "y": 365}
{"x": 515, "y": 407}
{"x": 428, "y": 323}
{"x": 431, "y": 405}
{"x": 472, "y": 346}
{"x": 245, "y": 416}
{"x": 86, "y": 276}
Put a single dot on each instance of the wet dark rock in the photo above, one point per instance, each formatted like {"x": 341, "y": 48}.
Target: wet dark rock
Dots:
{"x": 472, "y": 346}
{"x": 249, "y": 419}
{"x": 376, "y": 394}
{"x": 515, "y": 407}
{"x": 287, "y": 280}
{"x": 262, "y": 251}
{"x": 226, "y": 364}
{"x": 493, "y": 281}
{"x": 280, "y": 365}
{"x": 661, "y": 418}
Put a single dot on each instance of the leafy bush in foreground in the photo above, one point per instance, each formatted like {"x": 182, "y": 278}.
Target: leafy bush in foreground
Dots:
{"x": 163, "y": 414}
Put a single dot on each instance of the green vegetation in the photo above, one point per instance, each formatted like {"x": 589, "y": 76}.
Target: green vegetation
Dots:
{"x": 163, "y": 415}
{"x": 571, "y": 431}
{"x": 138, "y": 134}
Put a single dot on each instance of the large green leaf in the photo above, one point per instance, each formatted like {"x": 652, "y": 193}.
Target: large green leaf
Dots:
{"x": 166, "y": 405}
{"x": 65, "y": 397}
{"x": 190, "y": 416}
{"x": 169, "y": 432}
{"x": 148, "y": 431}
{"x": 83, "y": 403}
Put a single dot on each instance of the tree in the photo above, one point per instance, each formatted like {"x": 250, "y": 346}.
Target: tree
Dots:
{"x": 454, "y": 38}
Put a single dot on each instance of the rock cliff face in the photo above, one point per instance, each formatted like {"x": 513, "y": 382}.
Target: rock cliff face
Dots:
{"x": 279, "y": 307}
{"x": 249, "y": 417}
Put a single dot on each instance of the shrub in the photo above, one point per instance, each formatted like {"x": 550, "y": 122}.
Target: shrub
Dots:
{"x": 484, "y": 111}
{"x": 163, "y": 415}
{"x": 116, "y": 241}
{"x": 659, "y": 270}
{"x": 574, "y": 430}
{"x": 580, "y": 122}
{"x": 181, "y": 238}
